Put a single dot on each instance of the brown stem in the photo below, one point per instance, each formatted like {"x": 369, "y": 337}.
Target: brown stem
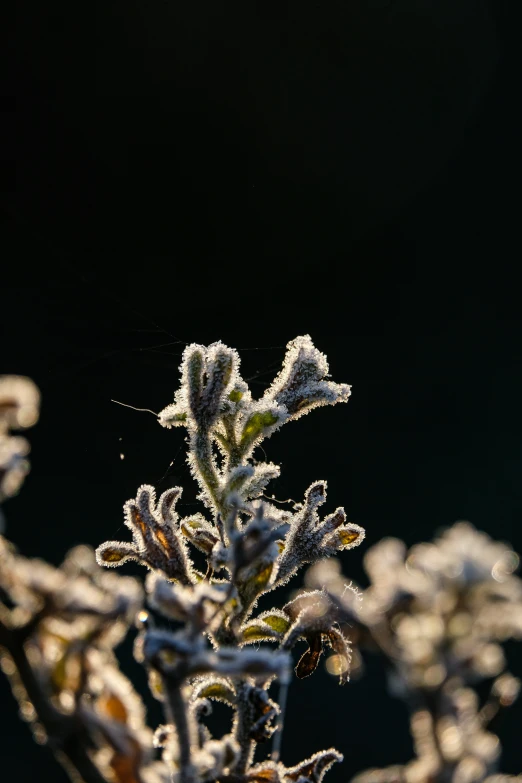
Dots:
{"x": 67, "y": 736}
{"x": 177, "y": 715}
{"x": 242, "y": 729}
{"x": 278, "y": 733}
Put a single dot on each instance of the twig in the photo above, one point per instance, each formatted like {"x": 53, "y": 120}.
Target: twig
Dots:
{"x": 177, "y": 715}
{"x": 66, "y": 735}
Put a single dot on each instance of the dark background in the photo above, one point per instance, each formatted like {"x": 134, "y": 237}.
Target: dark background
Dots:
{"x": 180, "y": 172}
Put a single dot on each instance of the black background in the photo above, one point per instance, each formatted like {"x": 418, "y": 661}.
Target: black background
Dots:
{"x": 250, "y": 172}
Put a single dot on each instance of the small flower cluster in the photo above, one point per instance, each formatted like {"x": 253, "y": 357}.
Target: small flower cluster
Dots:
{"x": 440, "y": 614}
{"x": 59, "y": 626}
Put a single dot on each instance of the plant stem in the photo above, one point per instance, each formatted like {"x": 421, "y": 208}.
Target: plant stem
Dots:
{"x": 242, "y": 730}
{"x": 278, "y": 734}
{"x": 177, "y": 715}
{"x": 202, "y": 450}
{"x": 67, "y": 737}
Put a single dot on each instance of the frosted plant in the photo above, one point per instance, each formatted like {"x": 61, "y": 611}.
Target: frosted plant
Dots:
{"x": 59, "y": 626}
{"x": 440, "y": 614}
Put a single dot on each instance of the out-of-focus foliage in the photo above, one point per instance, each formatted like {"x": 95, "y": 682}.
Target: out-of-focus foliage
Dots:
{"x": 19, "y": 407}
{"x": 440, "y": 614}
{"x": 59, "y": 626}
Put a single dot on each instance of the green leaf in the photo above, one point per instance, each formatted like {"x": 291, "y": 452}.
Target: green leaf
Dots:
{"x": 217, "y": 690}
{"x": 256, "y": 424}
{"x": 258, "y": 631}
{"x": 278, "y": 622}
{"x": 255, "y": 583}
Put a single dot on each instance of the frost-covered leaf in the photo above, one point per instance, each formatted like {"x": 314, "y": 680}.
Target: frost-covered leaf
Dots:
{"x": 174, "y": 415}
{"x": 216, "y": 689}
{"x": 256, "y": 631}
{"x": 341, "y": 647}
{"x": 115, "y": 553}
{"x": 314, "y": 768}
{"x": 221, "y": 365}
{"x": 254, "y": 581}
{"x": 309, "y": 660}
{"x": 238, "y": 477}
{"x": 268, "y": 626}
{"x": 267, "y": 772}
{"x": 192, "y": 374}
{"x": 199, "y": 532}
{"x": 275, "y": 619}
{"x": 260, "y": 423}
{"x": 261, "y": 476}
{"x": 301, "y": 385}
{"x": 310, "y": 538}
{"x": 157, "y": 541}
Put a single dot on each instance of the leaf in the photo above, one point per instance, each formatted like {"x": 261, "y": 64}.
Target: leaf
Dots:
{"x": 261, "y": 476}
{"x": 314, "y": 768}
{"x": 278, "y": 622}
{"x": 269, "y": 626}
{"x": 256, "y": 423}
{"x": 301, "y": 385}
{"x": 172, "y": 416}
{"x": 193, "y": 361}
{"x": 345, "y": 537}
{"x": 255, "y": 583}
{"x": 219, "y": 690}
{"x": 220, "y": 363}
{"x": 341, "y": 647}
{"x": 199, "y": 533}
{"x": 268, "y": 772}
{"x": 237, "y": 478}
{"x": 310, "y": 659}
{"x": 348, "y": 537}
{"x": 258, "y": 632}
{"x": 115, "y": 553}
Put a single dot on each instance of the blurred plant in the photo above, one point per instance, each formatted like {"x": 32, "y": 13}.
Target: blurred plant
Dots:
{"x": 59, "y": 626}
{"x": 19, "y": 405}
{"x": 439, "y": 614}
